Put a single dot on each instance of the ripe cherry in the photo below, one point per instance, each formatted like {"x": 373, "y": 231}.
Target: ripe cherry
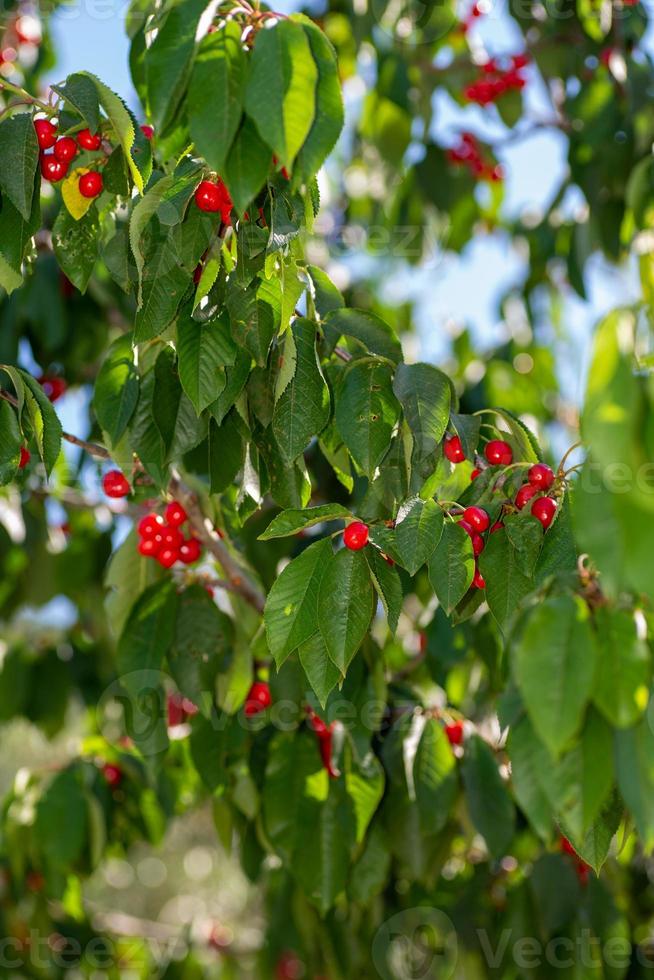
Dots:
{"x": 113, "y": 774}
{"x": 454, "y": 732}
{"x": 46, "y": 133}
{"x": 497, "y": 526}
{"x": 114, "y": 484}
{"x": 498, "y": 452}
{"x": 179, "y": 709}
{"x": 478, "y": 580}
{"x": 148, "y": 131}
{"x": 88, "y": 140}
{"x": 544, "y": 510}
{"x": 453, "y": 449}
{"x": 150, "y": 525}
{"x": 541, "y": 476}
{"x": 65, "y": 149}
{"x": 171, "y": 537}
{"x": 91, "y": 184}
{"x": 53, "y": 387}
{"x": 524, "y": 495}
{"x": 477, "y": 540}
{"x": 175, "y": 514}
{"x": 475, "y": 473}
{"x": 167, "y": 557}
{"x": 52, "y": 169}
{"x": 476, "y": 518}
{"x": 258, "y": 699}
{"x": 355, "y": 536}
{"x": 25, "y": 456}
{"x": 149, "y": 547}
{"x": 210, "y": 196}
{"x": 190, "y": 551}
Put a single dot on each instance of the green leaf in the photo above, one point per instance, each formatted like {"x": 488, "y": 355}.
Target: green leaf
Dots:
{"x": 623, "y": 671}
{"x": 554, "y": 662}
{"x": 293, "y": 760}
{"x": 281, "y": 90}
{"x": 366, "y": 328}
{"x": 168, "y": 62}
{"x": 303, "y": 408}
{"x": 434, "y": 777}
{"x": 425, "y": 394}
{"x": 452, "y": 566}
{"x": 203, "y": 637}
{"x": 81, "y": 95}
{"x": 219, "y": 68}
{"x": 148, "y": 632}
{"x": 116, "y": 389}
{"x": 594, "y": 846}
{"x": 76, "y": 245}
{"x": 19, "y": 158}
{"x": 526, "y": 536}
{"x": 366, "y": 412}
{"x": 135, "y": 146}
{"x": 10, "y": 443}
{"x": 15, "y": 237}
{"x": 204, "y": 348}
{"x": 291, "y": 521}
{"x": 370, "y": 872}
{"x": 467, "y": 428}
{"x": 489, "y": 803}
{"x": 291, "y": 612}
{"x": 418, "y": 530}
{"x": 127, "y": 575}
{"x": 364, "y": 783}
{"x": 345, "y": 605}
{"x": 388, "y": 585}
{"x": 328, "y": 120}
{"x": 326, "y": 296}
{"x": 635, "y": 772}
{"x": 61, "y": 820}
{"x": 506, "y": 583}
{"x": 256, "y": 316}
{"x": 528, "y": 759}
{"x": 43, "y": 418}
{"x": 247, "y": 166}
{"x": 321, "y": 673}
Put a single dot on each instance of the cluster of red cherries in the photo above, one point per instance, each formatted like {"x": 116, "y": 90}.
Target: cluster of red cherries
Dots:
{"x": 467, "y": 153}
{"x": 494, "y": 80}
{"x": 212, "y": 196}
{"x": 475, "y": 521}
{"x": 162, "y": 539}
{"x": 54, "y": 165}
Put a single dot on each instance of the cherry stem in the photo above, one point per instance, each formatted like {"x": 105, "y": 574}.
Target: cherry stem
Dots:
{"x": 570, "y": 450}
{"x": 26, "y": 98}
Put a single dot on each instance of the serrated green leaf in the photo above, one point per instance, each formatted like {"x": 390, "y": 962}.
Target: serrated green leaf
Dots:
{"x": 303, "y": 408}
{"x": 76, "y": 245}
{"x": 116, "y": 389}
{"x": 321, "y": 673}
{"x": 291, "y": 521}
{"x": 623, "y": 670}
{"x": 366, "y": 412}
{"x": 452, "y": 566}
{"x": 247, "y": 166}
{"x": 489, "y": 803}
{"x": 418, "y": 530}
{"x": 506, "y": 583}
{"x": 328, "y": 120}
{"x": 291, "y": 613}
{"x": 19, "y": 157}
{"x": 204, "y": 348}
{"x": 168, "y": 60}
{"x": 345, "y": 605}
{"x": 425, "y": 394}
{"x": 388, "y": 585}
{"x": 10, "y": 442}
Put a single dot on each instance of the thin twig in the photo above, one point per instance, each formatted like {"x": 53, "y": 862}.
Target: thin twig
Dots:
{"x": 92, "y": 448}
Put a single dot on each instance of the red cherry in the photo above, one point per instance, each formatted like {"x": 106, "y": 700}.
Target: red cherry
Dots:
{"x": 88, "y": 140}
{"x": 114, "y": 484}
{"x": 175, "y": 514}
{"x": 355, "y": 536}
{"x": 212, "y": 197}
{"x": 65, "y": 149}
{"x": 544, "y": 510}
{"x": 477, "y": 540}
{"x": 46, "y": 133}
{"x": 149, "y": 547}
{"x": 148, "y": 131}
{"x": 258, "y": 699}
{"x": 171, "y": 537}
{"x": 150, "y": 525}
{"x": 113, "y": 774}
{"x": 524, "y": 495}
{"x": 454, "y": 732}
{"x": 190, "y": 551}
{"x": 453, "y": 449}
{"x": 25, "y": 456}
{"x": 497, "y": 526}
{"x": 53, "y": 387}
{"x": 475, "y": 473}
{"x": 540, "y": 475}
{"x": 52, "y": 169}
{"x": 167, "y": 557}
{"x": 566, "y": 846}
{"x": 477, "y": 518}
{"x": 91, "y": 184}
{"x": 34, "y": 881}
{"x": 498, "y": 452}
{"x": 478, "y": 581}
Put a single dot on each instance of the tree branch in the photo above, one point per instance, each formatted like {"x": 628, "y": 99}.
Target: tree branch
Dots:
{"x": 238, "y": 579}
{"x": 93, "y": 448}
